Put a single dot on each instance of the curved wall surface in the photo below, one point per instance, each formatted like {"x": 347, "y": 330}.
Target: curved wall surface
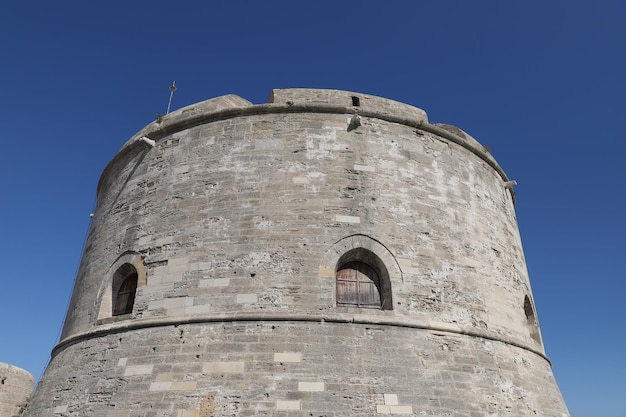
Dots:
{"x": 234, "y": 219}
{"x": 16, "y": 385}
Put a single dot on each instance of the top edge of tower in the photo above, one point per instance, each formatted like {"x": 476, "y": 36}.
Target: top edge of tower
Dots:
{"x": 293, "y": 100}
{"x": 304, "y": 100}
{"x": 290, "y": 100}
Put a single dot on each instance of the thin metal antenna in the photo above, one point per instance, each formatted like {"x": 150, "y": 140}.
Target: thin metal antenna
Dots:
{"x": 172, "y": 89}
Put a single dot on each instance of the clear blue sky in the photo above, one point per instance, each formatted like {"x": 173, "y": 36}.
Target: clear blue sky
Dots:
{"x": 542, "y": 83}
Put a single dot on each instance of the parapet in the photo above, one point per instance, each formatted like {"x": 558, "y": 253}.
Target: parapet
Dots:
{"x": 284, "y": 101}
{"x": 303, "y": 100}
{"x": 358, "y": 101}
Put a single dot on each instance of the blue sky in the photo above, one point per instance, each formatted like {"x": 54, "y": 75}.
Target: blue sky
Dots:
{"x": 542, "y": 83}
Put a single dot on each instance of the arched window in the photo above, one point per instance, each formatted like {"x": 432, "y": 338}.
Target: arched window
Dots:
{"x": 118, "y": 291}
{"x": 531, "y": 320}
{"x": 124, "y": 295}
{"x": 358, "y": 285}
{"x": 363, "y": 271}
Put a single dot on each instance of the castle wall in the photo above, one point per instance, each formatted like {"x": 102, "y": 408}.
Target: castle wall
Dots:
{"x": 16, "y": 385}
{"x": 280, "y": 368}
{"x": 236, "y": 221}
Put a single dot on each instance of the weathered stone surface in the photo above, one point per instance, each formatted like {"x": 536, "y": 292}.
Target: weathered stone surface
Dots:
{"x": 236, "y": 222}
{"x": 16, "y": 385}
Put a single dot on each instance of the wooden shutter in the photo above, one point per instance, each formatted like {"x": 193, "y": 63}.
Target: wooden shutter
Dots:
{"x": 358, "y": 285}
{"x": 126, "y": 296}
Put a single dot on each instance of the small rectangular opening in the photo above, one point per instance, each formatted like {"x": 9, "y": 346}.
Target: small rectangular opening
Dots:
{"x": 355, "y": 101}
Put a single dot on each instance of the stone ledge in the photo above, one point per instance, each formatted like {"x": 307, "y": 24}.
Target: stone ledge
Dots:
{"x": 375, "y": 317}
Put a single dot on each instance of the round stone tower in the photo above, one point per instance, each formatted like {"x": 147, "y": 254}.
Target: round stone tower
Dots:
{"x": 16, "y": 385}
{"x": 326, "y": 254}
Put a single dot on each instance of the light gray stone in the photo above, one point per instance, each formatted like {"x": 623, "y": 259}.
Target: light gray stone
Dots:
{"x": 236, "y": 222}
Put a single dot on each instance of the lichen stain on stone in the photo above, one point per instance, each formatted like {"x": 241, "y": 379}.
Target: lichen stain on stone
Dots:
{"x": 208, "y": 406}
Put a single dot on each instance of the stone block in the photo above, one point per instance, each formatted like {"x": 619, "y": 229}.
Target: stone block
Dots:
{"x": 401, "y": 409}
{"x": 310, "y": 386}
{"x": 391, "y": 399}
{"x": 288, "y": 405}
{"x": 347, "y": 219}
{"x": 226, "y": 367}
{"x": 184, "y": 385}
{"x": 138, "y": 370}
{"x": 161, "y": 386}
{"x": 365, "y": 168}
{"x": 288, "y": 357}
{"x": 246, "y": 298}
{"x": 214, "y": 282}
{"x": 188, "y": 413}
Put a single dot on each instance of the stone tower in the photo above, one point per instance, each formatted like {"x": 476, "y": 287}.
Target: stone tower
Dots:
{"x": 16, "y": 385}
{"x": 328, "y": 253}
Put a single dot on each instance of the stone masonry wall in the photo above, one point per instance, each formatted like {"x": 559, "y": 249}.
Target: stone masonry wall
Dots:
{"x": 295, "y": 369}
{"x": 237, "y": 220}
{"x": 16, "y": 385}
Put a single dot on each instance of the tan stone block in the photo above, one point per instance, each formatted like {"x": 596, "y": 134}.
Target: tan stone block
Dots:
{"x": 173, "y": 276}
{"x": 290, "y": 357}
{"x": 175, "y": 302}
{"x": 246, "y": 298}
{"x": 60, "y": 409}
{"x": 138, "y": 370}
{"x": 288, "y": 405}
{"x": 155, "y": 279}
{"x": 391, "y": 399}
{"x": 164, "y": 377}
{"x": 176, "y": 271}
{"x": 300, "y": 180}
{"x": 122, "y": 362}
{"x": 347, "y": 219}
{"x": 158, "y": 270}
{"x": 327, "y": 273}
{"x": 310, "y": 386}
{"x": 160, "y": 386}
{"x": 174, "y": 312}
{"x": 184, "y": 385}
{"x": 214, "y": 282}
{"x": 188, "y": 413}
{"x": 226, "y": 367}
{"x": 366, "y": 168}
{"x": 401, "y": 409}
{"x": 174, "y": 262}
{"x": 194, "y": 310}
{"x": 383, "y": 409}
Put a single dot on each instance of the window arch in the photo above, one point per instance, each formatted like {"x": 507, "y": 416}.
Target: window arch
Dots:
{"x": 369, "y": 251}
{"x": 117, "y": 294}
{"x": 362, "y": 280}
